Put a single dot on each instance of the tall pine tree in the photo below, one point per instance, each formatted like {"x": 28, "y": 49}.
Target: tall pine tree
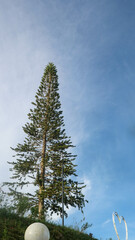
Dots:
{"x": 45, "y": 152}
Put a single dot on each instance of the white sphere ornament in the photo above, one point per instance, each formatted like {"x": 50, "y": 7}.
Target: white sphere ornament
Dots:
{"x": 37, "y": 231}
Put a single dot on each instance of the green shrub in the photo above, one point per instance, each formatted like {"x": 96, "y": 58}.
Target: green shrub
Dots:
{"x": 12, "y": 227}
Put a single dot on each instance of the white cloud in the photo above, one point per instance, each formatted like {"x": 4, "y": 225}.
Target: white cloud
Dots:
{"x": 106, "y": 222}
{"x": 98, "y": 183}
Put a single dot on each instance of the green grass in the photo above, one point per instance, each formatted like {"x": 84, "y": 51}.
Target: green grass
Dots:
{"x": 12, "y": 227}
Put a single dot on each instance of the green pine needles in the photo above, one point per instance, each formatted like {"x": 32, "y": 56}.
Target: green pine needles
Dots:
{"x": 44, "y": 153}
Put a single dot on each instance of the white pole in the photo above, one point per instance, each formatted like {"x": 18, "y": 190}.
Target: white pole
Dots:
{"x": 62, "y": 193}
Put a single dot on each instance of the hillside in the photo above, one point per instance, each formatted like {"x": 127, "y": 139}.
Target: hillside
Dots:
{"x": 12, "y": 227}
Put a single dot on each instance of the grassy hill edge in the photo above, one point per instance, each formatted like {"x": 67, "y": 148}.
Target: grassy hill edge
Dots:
{"x": 12, "y": 227}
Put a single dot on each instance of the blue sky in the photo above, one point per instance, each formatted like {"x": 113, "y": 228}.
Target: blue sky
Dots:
{"x": 92, "y": 44}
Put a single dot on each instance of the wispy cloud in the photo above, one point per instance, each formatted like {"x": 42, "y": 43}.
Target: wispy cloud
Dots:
{"x": 106, "y": 222}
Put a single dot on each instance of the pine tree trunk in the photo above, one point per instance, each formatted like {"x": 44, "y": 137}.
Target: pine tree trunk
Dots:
{"x": 42, "y": 166}
{"x": 42, "y": 183}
